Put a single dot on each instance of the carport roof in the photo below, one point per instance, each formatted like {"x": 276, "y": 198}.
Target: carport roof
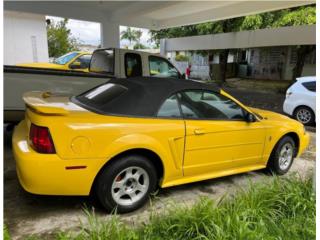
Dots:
{"x": 151, "y": 14}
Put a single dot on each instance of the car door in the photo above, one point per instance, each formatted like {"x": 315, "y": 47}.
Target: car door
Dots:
{"x": 170, "y": 111}
{"x": 309, "y": 94}
{"x": 218, "y": 137}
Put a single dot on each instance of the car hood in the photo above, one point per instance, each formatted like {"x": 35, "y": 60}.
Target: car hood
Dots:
{"x": 268, "y": 115}
{"x": 41, "y": 65}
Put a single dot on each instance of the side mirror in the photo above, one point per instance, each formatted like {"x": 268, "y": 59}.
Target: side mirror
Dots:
{"x": 250, "y": 117}
{"x": 75, "y": 65}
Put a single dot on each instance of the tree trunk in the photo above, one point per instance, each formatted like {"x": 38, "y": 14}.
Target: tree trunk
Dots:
{"x": 223, "y": 61}
{"x": 302, "y": 52}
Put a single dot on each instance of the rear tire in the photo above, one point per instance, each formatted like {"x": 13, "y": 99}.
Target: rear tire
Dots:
{"x": 282, "y": 156}
{"x": 126, "y": 184}
{"x": 304, "y": 114}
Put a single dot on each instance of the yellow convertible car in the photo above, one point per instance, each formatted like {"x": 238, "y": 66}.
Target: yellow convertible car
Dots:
{"x": 76, "y": 61}
{"x": 124, "y": 138}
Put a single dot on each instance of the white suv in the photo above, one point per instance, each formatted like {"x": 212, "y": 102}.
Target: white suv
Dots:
{"x": 301, "y": 100}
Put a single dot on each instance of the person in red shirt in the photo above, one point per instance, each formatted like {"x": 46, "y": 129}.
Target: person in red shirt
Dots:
{"x": 188, "y": 71}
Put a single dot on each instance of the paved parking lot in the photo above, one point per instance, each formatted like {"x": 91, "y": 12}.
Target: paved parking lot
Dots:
{"x": 26, "y": 214}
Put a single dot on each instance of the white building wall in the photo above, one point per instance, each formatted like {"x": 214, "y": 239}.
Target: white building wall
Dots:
{"x": 25, "y": 38}
{"x": 271, "y": 37}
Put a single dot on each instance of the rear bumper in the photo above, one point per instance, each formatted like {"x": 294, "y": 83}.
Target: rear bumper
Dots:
{"x": 288, "y": 107}
{"x": 47, "y": 174}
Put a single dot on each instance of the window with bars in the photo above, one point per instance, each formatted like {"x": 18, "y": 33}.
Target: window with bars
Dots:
{"x": 310, "y": 58}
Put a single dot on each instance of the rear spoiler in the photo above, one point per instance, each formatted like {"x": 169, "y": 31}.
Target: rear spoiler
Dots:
{"x": 46, "y": 103}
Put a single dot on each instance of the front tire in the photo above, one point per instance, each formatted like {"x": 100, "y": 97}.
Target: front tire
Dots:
{"x": 305, "y": 115}
{"x": 125, "y": 185}
{"x": 282, "y": 156}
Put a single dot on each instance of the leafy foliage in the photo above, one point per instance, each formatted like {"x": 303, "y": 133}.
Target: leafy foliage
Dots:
{"x": 131, "y": 35}
{"x": 181, "y": 58}
{"x": 60, "y": 40}
{"x": 300, "y": 16}
{"x": 138, "y": 35}
{"x": 139, "y": 46}
{"x": 6, "y": 235}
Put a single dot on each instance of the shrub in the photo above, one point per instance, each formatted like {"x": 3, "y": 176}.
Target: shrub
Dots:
{"x": 181, "y": 58}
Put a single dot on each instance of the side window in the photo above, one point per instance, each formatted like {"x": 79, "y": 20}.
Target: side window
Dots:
{"x": 160, "y": 67}
{"x": 84, "y": 61}
{"x": 170, "y": 108}
{"x": 133, "y": 65}
{"x": 311, "y": 86}
{"x": 209, "y": 105}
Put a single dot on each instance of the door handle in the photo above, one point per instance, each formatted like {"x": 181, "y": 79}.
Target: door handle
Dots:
{"x": 199, "y": 131}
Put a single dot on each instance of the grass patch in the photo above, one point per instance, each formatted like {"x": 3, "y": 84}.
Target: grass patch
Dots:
{"x": 6, "y": 235}
{"x": 283, "y": 208}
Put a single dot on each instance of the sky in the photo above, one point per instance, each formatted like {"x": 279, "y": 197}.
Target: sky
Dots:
{"x": 89, "y": 32}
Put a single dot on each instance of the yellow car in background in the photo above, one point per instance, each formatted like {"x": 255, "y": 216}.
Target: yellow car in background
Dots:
{"x": 76, "y": 61}
{"x": 124, "y": 138}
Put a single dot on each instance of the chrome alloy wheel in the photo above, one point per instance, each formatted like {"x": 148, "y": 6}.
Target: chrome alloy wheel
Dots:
{"x": 304, "y": 115}
{"x": 285, "y": 156}
{"x": 130, "y": 185}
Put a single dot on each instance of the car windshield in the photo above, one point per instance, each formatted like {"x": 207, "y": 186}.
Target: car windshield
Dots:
{"x": 65, "y": 58}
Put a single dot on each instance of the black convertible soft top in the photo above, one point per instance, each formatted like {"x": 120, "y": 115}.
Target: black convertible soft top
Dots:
{"x": 140, "y": 96}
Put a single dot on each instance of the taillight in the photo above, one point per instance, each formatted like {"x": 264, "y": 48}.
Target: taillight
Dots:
{"x": 41, "y": 140}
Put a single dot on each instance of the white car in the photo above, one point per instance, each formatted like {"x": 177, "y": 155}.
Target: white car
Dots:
{"x": 301, "y": 100}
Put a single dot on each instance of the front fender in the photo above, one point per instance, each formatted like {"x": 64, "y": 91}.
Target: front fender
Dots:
{"x": 275, "y": 134}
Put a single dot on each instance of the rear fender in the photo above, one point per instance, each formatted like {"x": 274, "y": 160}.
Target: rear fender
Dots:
{"x": 172, "y": 166}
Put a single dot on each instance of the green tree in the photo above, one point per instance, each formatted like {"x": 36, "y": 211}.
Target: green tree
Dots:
{"x": 139, "y": 35}
{"x": 304, "y": 15}
{"x": 60, "y": 40}
{"x": 129, "y": 34}
{"x": 156, "y": 35}
{"x": 139, "y": 46}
